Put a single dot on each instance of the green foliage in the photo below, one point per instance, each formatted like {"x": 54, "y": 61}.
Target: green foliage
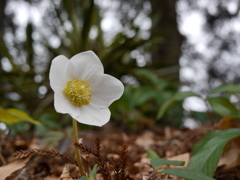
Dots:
{"x": 70, "y": 23}
{"x": 205, "y": 156}
{"x": 30, "y": 66}
{"x": 142, "y": 102}
{"x": 222, "y": 105}
{"x": 228, "y": 88}
{"x": 200, "y": 116}
{"x": 48, "y": 119}
{"x": 140, "y": 95}
{"x": 12, "y": 116}
{"x": 21, "y": 128}
{"x": 151, "y": 78}
{"x": 207, "y": 152}
{"x": 158, "y": 162}
{"x": 52, "y": 138}
{"x": 152, "y": 154}
{"x": 218, "y": 99}
{"x": 179, "y": 96}
{"x": 91, "y": 175}
{"x": 187, "y": 173}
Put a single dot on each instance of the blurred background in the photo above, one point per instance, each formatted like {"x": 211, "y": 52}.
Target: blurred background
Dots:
{"x": 156, "y": 48}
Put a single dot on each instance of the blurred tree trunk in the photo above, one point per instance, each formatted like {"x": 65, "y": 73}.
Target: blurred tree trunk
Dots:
{"x": 2, "y": 17}
{"x": 167, "y": 53}
{"x": 2, "y": 14}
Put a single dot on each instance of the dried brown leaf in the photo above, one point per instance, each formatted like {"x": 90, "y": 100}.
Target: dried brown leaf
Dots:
{"x": 230, "y": 158}
{"x": 145, "y": 140}
{"x": 8, "y": 169}
{"x": 65, "y": 174}
{"x": 23, "y": 175}
{"x": 53, "y": 177}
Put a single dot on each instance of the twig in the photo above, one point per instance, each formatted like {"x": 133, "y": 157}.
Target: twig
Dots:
{"x": 43, "y": 152}
{"x": 152, "y": 175}
{"x": 1, "y": 156}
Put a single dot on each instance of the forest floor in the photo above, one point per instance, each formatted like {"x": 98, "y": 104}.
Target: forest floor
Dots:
{"x": 115, "y": 149}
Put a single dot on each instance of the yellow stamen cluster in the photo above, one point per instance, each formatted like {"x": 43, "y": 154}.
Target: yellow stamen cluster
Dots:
{"x": 79, "y": 92}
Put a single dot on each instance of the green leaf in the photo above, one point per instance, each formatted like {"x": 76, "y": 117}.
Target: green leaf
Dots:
{"x": 164, "y": 107}
{"x": 152, "y": 154}
{"x": 182, "y": 95}
{"x": 52, "y": 138}
{"x": 230, "y": 88}
{"x": 201, "y": 116}
{"x": 236, "y": 114}
{"x": 151, "y": 77}
{"x": 187, "y": 173}
{"x": 91, "y": 175}
{"x": 158, "y": 162}
{"x": 48, "y": 119}
{"x": 222, "y": 105}
{"x": 12, "y": 115}
{"x": 179, "y": 96}
{"x": 207, "y": 152}
{"x": 141, "y": 95}
{"x": 84, "y": 178}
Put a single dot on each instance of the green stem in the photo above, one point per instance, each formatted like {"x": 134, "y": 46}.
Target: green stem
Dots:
{"x": 77, "y": 151}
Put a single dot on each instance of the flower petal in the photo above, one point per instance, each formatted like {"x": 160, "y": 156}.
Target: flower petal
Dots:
{"x": 93, "y": 116}
{"x": 105, "y": 90}
{"x": 86, "y": 64}
{"x": 61, "y": 71}
{"x": 63, "y": 105}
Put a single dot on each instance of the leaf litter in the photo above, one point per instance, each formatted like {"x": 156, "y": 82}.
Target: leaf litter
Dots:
{"x": 119, "y": 155}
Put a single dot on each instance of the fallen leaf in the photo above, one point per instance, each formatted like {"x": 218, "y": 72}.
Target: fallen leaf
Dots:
{"x": 228, "y": 122}
{"x": 53, "y": 177}
{"x": 8, "y": 169}
{"x": 65, "y": 174}
{"x": 23, "y": 175}
{"x": 145, "y": 140}
{"x": 230, "y": 158}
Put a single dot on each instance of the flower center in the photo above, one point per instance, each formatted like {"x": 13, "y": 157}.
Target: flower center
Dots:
{"x": 79, "y": 92}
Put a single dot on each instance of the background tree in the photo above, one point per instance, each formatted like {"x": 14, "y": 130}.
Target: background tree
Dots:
{"x": 66, "y": 28}
{"x": 167, "y": 53}
{"x": 216, "y": 50}
{"x": 143, "y": 51}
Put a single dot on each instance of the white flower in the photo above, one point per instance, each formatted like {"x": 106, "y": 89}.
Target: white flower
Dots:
{"x": 82, "y": 90}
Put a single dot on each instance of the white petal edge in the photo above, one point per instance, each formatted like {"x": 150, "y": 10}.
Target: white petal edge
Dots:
{"x": 61, "y": 71}
{"x": 93, "y": 116}
{"x": 105, "y": 90}
{"x": 63, "y": 105}
{"x": 86, "y": 64}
